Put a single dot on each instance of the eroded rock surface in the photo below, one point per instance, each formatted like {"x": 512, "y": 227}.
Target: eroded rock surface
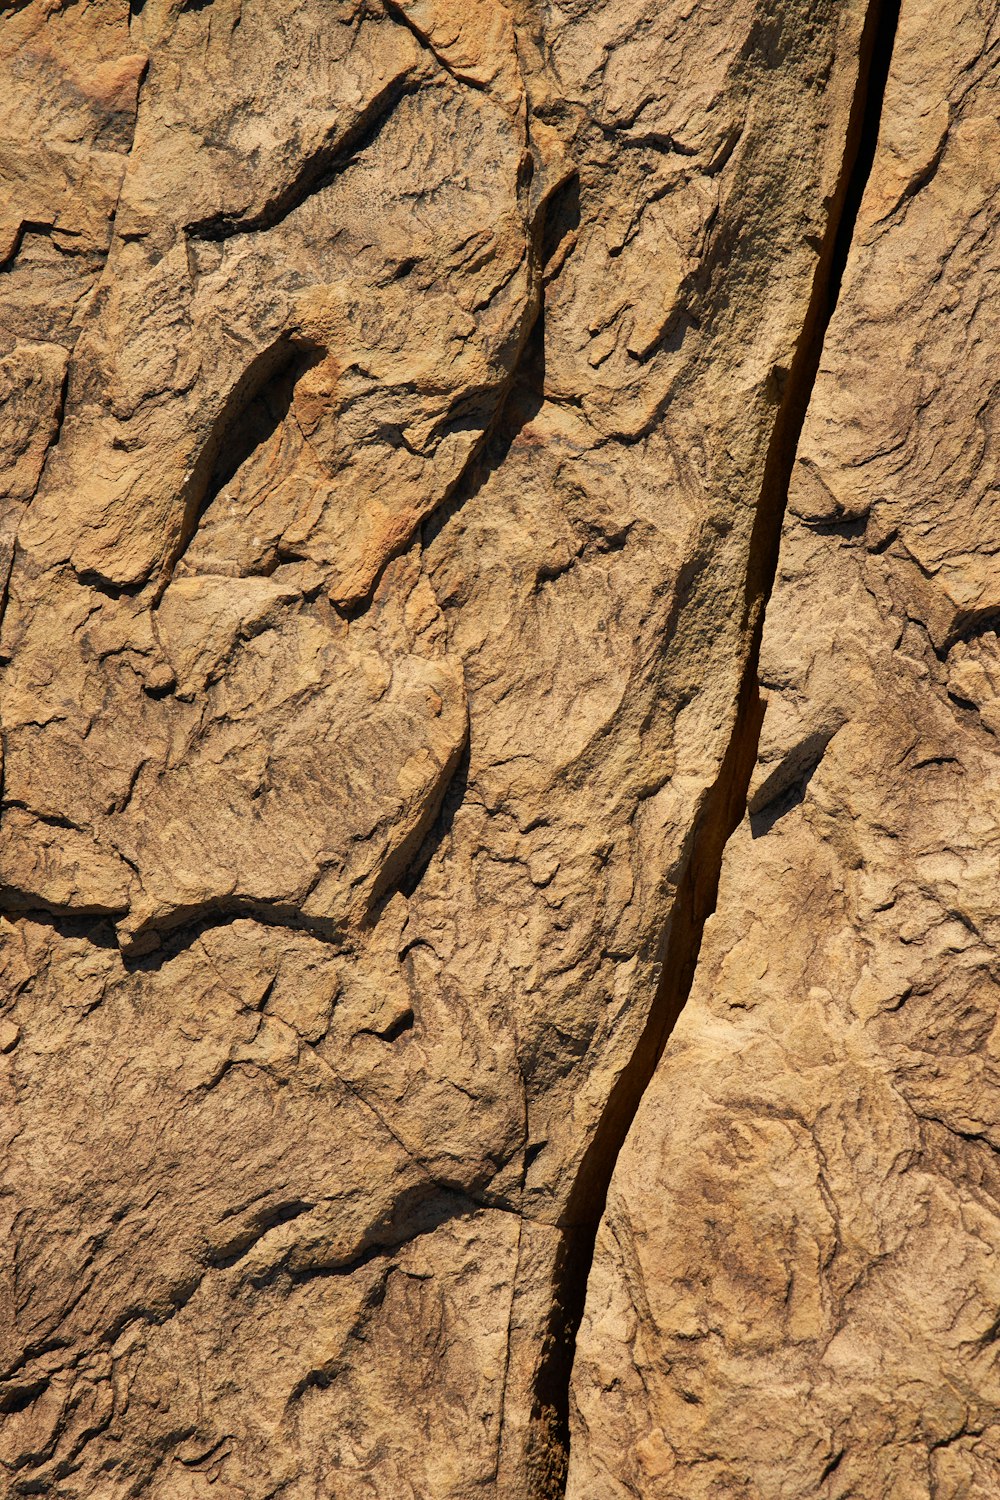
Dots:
{"x": 397, "y": 399}
{"x": 795, "y": 1288}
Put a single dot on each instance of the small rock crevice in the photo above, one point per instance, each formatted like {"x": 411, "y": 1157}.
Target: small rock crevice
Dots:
{"x": 724, "y": 805}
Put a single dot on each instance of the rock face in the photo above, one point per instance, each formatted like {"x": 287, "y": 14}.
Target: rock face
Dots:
{"x": 399, "y": 400}
{"x": 795, "y": 1288}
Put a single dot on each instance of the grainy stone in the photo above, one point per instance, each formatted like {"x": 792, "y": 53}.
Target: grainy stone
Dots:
{"x": 391, "y": 399}
{"x": 795, "y": 1287}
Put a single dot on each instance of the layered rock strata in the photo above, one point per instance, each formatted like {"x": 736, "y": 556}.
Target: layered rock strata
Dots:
{"x": 795, "y": 1286}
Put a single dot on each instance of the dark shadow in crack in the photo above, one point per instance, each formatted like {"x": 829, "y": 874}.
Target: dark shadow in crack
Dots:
{"x": 317, "y": 170}
{"x": 522, "y": 402}
{"x": 723, "y": 807}
{"x": 153, "y": 946}
{"x": 94, "y": 930}
{"x": 255, "y": 408}
{"x": 782, "y": 803}
{"x": 437, "y": 835}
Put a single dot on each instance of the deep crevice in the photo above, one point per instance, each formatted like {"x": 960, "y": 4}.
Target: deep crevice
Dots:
{"x": 724, "y": 805}
{"x": 236, "y": 431}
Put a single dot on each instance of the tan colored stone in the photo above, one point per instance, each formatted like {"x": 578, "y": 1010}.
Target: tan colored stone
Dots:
{"x": 795, "y": 1286}
{"x": 386, "y": 573}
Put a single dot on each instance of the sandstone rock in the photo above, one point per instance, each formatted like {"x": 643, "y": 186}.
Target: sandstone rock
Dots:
{"x": 400, "y": 406}
{"x": 795, "y": 1286}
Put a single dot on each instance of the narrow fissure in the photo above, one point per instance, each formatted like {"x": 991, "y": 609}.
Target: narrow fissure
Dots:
{"x": 725, "y": 803}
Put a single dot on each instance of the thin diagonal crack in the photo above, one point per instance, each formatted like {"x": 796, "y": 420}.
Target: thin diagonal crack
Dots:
{"x": 398, "y": 10}
{"x": 723, "y": 806}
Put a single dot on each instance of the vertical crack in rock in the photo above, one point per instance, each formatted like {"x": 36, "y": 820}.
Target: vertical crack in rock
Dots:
{"x": 724, "y": 804}
{"x": 352, "y": 645}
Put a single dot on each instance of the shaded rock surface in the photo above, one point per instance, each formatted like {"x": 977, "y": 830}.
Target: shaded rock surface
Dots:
{"x": 398, "y": 404}
{"x": 795, "y": 1286}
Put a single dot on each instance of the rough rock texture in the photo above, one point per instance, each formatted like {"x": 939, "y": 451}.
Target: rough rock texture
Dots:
{"x": 399, "y": 400}
{"x": 797, "y": 1280}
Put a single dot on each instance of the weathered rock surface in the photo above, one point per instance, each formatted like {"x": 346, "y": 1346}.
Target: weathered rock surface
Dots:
{"x": 795, "y": 1290}
{"x": 398, "y": 403}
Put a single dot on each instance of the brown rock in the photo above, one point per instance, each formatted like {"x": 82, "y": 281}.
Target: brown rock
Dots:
{"x": 795, "y": 1286}
{"x": 400, "y": 397}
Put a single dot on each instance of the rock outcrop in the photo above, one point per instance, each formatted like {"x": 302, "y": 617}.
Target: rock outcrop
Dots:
{"x": 795, "y": 1288}
{"x": 399, "y": 403}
